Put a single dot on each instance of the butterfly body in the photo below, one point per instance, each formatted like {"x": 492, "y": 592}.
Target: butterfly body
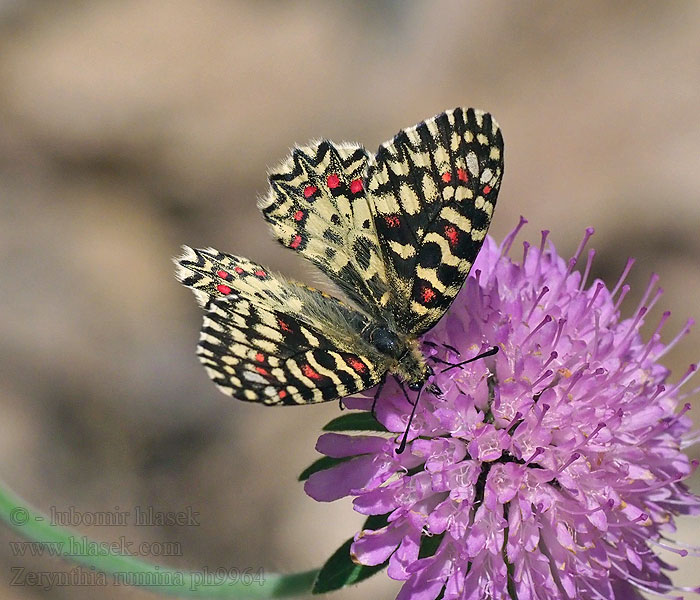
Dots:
{"x": 397, "y": 232}
{"x": 407, "y": 360}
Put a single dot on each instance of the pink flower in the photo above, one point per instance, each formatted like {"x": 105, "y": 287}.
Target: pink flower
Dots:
{"x": 550, "y": 470}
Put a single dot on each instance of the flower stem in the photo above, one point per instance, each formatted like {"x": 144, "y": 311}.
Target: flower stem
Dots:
{"x": 35, "y": 526}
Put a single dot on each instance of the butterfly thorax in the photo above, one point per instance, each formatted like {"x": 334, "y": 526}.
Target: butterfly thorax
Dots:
{"x": 408, "y": 361}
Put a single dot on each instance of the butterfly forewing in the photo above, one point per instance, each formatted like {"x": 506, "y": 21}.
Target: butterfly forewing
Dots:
{"x": 266, "y": 339}
{"x": 317, "y": 207}
{"x": 432, "y": 190}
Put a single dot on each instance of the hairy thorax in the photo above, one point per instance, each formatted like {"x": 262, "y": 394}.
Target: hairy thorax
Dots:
{"x": 407, "y": 362}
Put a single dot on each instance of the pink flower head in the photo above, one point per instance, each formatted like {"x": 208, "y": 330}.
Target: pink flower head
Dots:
{"x": 550, "y": 470}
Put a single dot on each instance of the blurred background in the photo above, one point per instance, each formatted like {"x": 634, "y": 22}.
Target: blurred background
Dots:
{"x": 129, "y": 128}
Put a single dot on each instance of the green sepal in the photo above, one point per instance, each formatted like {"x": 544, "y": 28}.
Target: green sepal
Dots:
{"x": 340, "y": 571}
{"x": 355, "y": 421}
{"x": 323, "y": 463}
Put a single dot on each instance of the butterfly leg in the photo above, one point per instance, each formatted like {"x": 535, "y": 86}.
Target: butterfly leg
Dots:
{"x": 452, "y": 349}
{"x": 376, "y": 395}
{"x": 439, "y": 360}
{"x": 432, "y": 387}
{"x": 444, "y": 345}
{"x": 404, "y": 439}
{"x": 403, "y": 389}
{"x": 434, "y": 390}
{"x": 490, "y": 352}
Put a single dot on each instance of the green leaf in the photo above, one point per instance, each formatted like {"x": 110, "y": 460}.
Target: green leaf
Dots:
{"x": 356, "y": 421}
{"x": 339, "y": 570}
{"x": 375, "y": 522}
{"x": 323, "y": 463}
{"x": 429, "y": 545}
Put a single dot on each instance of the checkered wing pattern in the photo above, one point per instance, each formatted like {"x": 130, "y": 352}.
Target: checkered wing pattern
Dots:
{"x": 269, "y": 340}
{"x": 432, "y": 192}
{"x": 317, "y": 207}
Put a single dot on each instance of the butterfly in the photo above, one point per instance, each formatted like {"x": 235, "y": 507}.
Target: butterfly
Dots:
{"x": 397, "y": 232}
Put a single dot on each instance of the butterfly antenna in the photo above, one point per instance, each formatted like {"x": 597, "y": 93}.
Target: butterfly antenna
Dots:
{"x": 490, "y": 352}
{"x": 404, "y": 439}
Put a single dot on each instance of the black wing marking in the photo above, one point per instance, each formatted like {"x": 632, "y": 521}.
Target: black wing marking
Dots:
{"x": 432, "y": 190}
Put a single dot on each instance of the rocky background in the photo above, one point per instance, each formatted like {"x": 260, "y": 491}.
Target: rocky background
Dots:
{"x": 128, "y": 128}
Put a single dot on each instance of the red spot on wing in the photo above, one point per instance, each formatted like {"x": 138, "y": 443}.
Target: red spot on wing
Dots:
{"x": 427, "y": 294}
{"x": 296, "y": 240}
{"x": 282, "y": 394}
{"x": 487, "y": 189}
{"x": 299, "y": 215}
{"x": 238, "y": 270}
{"x": 284, "y": 326}
{"x": 260, "y": 273}
{"x": 446, "y": 177}
{"x": 392, "y": 221}
{"x": 310, "y": 372}
{"x": 222, "y": 274}
{"x": 356, "y": 364}
{"x": 452, "y": 234}
{"x": 462, "y": 175}
{"x": 262, "y": 371}
{"x": 309, "y": 191}
{"x": 333, "y": 181}
{"x": 356, "y": 186}
{"x": 260, "y": 357}
{"x": 224, "y": 289}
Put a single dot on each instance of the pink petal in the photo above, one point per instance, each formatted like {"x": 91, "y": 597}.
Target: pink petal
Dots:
{"x": 405, "y": 556}
{"x": 341, "y": 480}
{"x": 338, "y": 445}
{"x": 374, "y": 547}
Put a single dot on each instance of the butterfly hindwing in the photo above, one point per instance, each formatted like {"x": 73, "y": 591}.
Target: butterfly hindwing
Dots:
{"x": 261, "y": 355}
{"x": 432, "y": 190}
{"x": 269, "y": 340}
{"x": 317, "y": 207}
